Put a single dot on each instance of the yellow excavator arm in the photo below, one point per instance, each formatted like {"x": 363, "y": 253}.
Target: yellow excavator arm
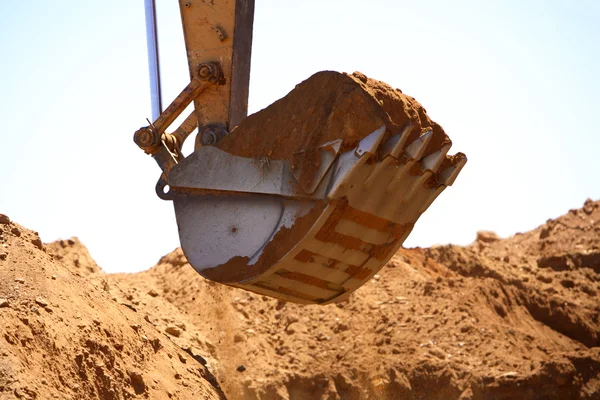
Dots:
{"x": 220, "y": 31}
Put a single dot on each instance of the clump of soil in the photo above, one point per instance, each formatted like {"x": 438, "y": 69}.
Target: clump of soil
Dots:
{"x": 63, "y": 336}
{"x": 328, "y": 106}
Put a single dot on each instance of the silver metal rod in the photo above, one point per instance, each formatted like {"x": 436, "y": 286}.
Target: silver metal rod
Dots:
{"x": 153, "y": 61}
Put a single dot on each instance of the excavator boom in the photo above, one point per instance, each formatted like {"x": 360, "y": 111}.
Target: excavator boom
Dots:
{"x": 220, "y": 31}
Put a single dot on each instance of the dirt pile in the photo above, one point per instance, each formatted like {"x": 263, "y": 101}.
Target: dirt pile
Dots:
{"x": 328, "y": 106}
{"x": 63, "y": 337}
{"x": 552, "y": 271}
{"x": 499, "y": 319}
{"x": 73, "y": 253}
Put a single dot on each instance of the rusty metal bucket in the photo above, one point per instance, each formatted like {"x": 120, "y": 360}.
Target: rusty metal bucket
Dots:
{"x": 251, "y": 224}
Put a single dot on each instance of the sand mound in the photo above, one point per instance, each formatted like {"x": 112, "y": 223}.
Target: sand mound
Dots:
{"x": 499, "y": 319}
{"x": 73, "y": 253}
{"x": 514, "y": 318}
{"x": 63, "y": 337}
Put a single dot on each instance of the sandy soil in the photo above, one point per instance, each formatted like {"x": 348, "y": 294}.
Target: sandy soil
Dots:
{"x": 514, "y": 318}
{"x": 499, "y": 319}
{"x": 62, "y": 336}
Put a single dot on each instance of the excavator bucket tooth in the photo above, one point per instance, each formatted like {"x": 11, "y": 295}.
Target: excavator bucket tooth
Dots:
{"x": 445, "y": 178}
{"x": 395, "y": 145}
{"x": 434, "y": 160}
{"x": 390, "y": 153}
{"x": 312, "y": 244}
{"x": 416, "y": 149}
{"x": 450, "y": 174}
{"x": 308, "y": 178}
{"x": 413, "y": 153}
{"x": 370, "y": 144}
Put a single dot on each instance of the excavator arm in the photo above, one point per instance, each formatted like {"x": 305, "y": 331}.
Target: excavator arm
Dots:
{"x": 218, "y": 42}
{"x": 221, "y": 32}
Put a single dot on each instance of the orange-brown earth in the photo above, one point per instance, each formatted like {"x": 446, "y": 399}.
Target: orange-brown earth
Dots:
{"x": 327, "y": 106}
{"x": 62, "y": 336}
{"x": 514, "y": 318}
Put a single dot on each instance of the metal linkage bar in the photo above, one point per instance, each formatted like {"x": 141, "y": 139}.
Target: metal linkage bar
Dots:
{"x": 153, "y": 60}
{"x": 166, "y": 147}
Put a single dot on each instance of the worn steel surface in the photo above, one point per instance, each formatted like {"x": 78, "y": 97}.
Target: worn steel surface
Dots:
{"x": 153, "y": 59}
{"x": 372, "y": 208}
{"x": 373, "y": 195}
{"x": 220, "y": 31}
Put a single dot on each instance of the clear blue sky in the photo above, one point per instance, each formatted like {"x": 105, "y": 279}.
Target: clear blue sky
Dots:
{"x": 514, "y": 83}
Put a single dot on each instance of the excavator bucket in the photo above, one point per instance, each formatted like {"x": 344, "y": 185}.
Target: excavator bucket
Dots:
{"x": 305, "y": 223}
{"x": 255, "y": 229}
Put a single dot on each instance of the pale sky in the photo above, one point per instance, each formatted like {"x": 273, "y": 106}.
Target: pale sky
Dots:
{"x": 514, "y": 83}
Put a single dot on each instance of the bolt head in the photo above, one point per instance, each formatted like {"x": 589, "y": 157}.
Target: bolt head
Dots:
{"x": 209, "y": 137}
{"x": 144, "y": 137}
{"x": 204, "y": 71}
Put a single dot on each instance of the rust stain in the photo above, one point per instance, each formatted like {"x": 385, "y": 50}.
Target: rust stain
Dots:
{"x": 348, "y": 242}
{"x": 288, "y": 292}
{"x": 358, "y": 272}
{"x": 366, "y": 219}
{"x": 236, "y": 269}
{"x": 327, "y": 232}
{"x": 309, "y": 280}
{"x": 382, "y": 252}
{"x": 305, "y": 256}
{"x": 343, "y": 211}
{"x": 399, "y": 231}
